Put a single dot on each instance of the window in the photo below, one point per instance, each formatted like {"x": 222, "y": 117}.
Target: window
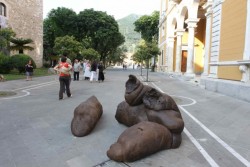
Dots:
{"x": 2, "y": 9}
{"x": 163, "y": 31}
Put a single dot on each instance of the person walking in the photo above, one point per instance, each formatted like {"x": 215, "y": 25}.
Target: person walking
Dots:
{"x": 87, "y": 72}
{"x": 29, "y": 70}
{"x": 93, "y": 71}
{"x": 100, "y": 73}
{"x": 76, "y": 69}
{"x": 64, "y": 77}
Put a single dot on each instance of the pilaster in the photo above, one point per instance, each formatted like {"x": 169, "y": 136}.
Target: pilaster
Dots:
{"x": 192, "y": 24}
{"x": 208, "y": 8}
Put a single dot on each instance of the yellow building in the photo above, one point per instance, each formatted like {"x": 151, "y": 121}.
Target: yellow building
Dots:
{"x": 207, "y": 37}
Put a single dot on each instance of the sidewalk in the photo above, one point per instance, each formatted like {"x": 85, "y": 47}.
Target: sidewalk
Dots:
{"x": 35, "y": 125}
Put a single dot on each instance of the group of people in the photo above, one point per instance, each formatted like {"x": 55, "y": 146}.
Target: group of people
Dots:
{"x": 92, "y": 71}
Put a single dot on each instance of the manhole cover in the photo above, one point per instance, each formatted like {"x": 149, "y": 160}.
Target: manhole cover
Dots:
{"x": 7, "y": 93}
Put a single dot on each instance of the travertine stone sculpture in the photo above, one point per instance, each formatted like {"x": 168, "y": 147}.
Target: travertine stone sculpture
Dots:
{"x": 140, "y": 140}
{"x": 130, "y": 115}
{"x": 86, "y": 116}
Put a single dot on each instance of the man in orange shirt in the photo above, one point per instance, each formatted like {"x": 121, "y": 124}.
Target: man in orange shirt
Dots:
{"x": 64, "y": 77}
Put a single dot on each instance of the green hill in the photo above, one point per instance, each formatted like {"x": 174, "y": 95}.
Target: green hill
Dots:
{"x": 126, "y": 28}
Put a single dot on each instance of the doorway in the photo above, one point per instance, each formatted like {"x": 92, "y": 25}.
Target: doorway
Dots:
{"x": 184, "y": 61}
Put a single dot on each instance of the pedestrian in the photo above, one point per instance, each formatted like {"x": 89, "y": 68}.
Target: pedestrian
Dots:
{"x": 29, "y": 70}
{"x": 64, "y": 69}
{"x": 76, "y": 69}
{"x": 93, "y": 71}
{"x": 87, "y": 72}
{"x": 100, "y": 73}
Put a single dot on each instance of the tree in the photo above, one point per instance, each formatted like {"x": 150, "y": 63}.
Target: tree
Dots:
{"x": 102, "y": 29}
{"x": 20, "y": 44}
{"x": 94, "y": 29}
{"x": 117, "y": 56}
{"x": 64, "y": 21}
{"x": 69, "y": 45}
{"x": 148, "y": 26}
{"x": 5, "y": 36}
{"x": 145, "y": 51}
{"x": 60, "y": 22}
{"x": 90, "y": 54}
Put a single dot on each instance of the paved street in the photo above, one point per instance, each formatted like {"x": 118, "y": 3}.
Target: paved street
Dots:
{"x": 35, "y": 125}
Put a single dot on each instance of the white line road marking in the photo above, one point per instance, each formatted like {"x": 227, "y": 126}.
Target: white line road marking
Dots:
{"x": 25, "y": 89}
{"x": 44, "y": 83}
{"x": 15, "y": 97}
{"x": 193, "y": 140}
{"x": 201, "y": 149}
{"x": 224, "y": 144}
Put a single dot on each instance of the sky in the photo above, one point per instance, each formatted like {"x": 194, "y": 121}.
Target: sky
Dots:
{"x": 116, "y": 8}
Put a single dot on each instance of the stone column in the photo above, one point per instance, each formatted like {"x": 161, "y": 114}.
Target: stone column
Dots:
{"x": 179, "y": 34}
{"x": 170, "y": 43}
{"x": 192, "y": 24}
{"x": 208, "y": 8}
{"x": 246, "y": 54}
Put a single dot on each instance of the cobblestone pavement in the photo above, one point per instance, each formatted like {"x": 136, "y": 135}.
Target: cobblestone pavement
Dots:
{"x": 35, "y": 125}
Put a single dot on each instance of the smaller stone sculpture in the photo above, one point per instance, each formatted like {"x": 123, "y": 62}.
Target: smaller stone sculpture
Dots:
{"x": 86, "y": 116}
{"x": 140, "y": 140}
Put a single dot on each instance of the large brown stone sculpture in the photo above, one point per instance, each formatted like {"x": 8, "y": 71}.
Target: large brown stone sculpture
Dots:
{"x": 162, "y": 109}
{"x": 86, "y": 116}
{"x": 130, "y": 115}
{"x": 135, "y": 91}
{"x": 155, "y": 100}
{"x": 140, "y": 140}
{"x": 144, "y": 103}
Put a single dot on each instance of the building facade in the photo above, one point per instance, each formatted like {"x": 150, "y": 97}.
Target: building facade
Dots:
{"x": 25, "y": 17}
{"x": 207, "y": 37}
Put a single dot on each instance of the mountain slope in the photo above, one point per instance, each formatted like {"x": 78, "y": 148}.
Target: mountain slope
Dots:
{"x": 126, "y": 28}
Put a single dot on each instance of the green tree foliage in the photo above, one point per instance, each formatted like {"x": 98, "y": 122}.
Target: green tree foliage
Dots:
{"x": 68, "y": 44}
{"x": 20, "y": 44}
{"x": 63, "y": 21}
{"x": 102, "y": 29}
{"x": 145, "y": 51}
{"x": 60, "y": 22}
{"x": 148, "y": 26}
{"x": 94, "y": 29}
{"x": 20, "y": 60}
{"x": 5, "y": 64}
{"x": 117, "y": 56}
{"x": 126, "y": 27}
{"x": 90, "y": 54}
{"x": 5, "y": 36}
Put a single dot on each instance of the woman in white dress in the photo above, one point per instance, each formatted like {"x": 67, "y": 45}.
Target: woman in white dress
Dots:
{"x": 87, "y": 72}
